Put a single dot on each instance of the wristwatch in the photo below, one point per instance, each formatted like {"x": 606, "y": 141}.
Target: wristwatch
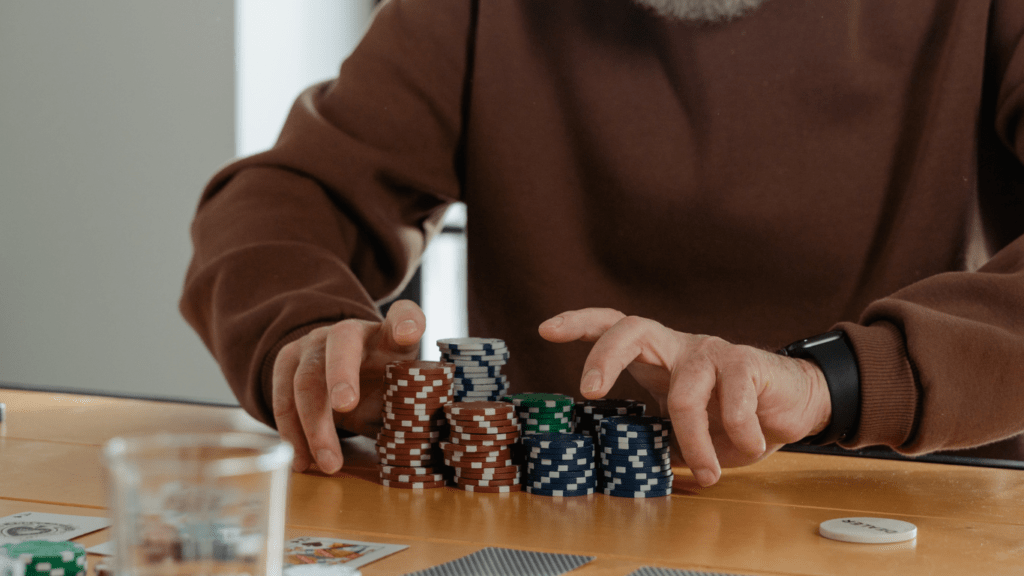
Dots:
{"x": 833, "y": 354}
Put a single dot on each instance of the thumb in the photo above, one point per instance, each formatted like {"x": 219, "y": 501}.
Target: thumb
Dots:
{"x": 403, "y": 327}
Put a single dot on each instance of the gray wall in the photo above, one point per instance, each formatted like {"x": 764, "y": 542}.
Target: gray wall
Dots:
{"x": 113, "y": 113}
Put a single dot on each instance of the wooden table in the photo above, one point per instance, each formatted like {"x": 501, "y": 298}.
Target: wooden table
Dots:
{"x": 762, "y": 519}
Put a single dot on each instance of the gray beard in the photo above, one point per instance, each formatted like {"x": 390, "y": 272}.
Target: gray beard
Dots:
{"x": 701, "y": 10}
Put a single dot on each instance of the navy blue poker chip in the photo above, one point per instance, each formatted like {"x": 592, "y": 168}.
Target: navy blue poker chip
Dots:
{"x": 559, "y": 493}
{"x": 614, "y": 424}
{"x": 637, "y": 493}
{"x": 637, "y": 473}
{"x": 547, "y": 468}
{"x": 557, "y": 440}
{"x": 633, "y": 484}
{"x": 567, "y": 475}
{"x": 583, "y": 484}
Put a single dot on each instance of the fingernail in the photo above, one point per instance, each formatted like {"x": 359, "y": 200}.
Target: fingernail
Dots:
{"x": 591, "y": 381}
{"x": 342, "y": 396}
{"x": 554, "y": 322}
{"x": 405, "y": 328}
{"x": 705, "y": 477}
{"x": 327, "y": 461}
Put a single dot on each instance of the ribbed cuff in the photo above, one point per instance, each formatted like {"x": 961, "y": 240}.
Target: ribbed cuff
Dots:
{"x": 888, "y": 392}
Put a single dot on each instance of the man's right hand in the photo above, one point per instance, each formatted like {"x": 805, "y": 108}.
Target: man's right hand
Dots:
{"x": 333, "y": 378}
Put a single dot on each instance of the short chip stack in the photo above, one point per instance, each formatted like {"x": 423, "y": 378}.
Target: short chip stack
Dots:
{"x": 41, "y": 558}
{"x": 634, "y": 456}
{"x": 479, "y": 449}
{"x": 559, "y": 464}
{"x": 588, "y": 414}
{"x": 478, "y": 363}
{"x": 541, "y": 412}
{"x": 414, "y": 423}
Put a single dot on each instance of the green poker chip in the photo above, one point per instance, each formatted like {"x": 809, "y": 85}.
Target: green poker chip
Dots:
{"x": 42, "y": 558}
{"x": 541, "y": 400}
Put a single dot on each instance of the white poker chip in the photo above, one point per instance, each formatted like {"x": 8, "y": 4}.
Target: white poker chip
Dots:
{"x": 320, "y": 570}
{"x": 867, "y": 530}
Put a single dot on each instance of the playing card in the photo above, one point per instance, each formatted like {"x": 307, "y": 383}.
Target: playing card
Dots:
{"x": 507, "y": 562}
{"x": 351, "y": 553}
{"x": 652, "y": 571}
{"x": 51, "y": 527}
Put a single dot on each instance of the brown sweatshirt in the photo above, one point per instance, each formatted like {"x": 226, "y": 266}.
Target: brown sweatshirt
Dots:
{"x": 812, "y": 164}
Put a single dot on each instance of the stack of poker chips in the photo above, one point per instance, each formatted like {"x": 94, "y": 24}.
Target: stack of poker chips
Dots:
{"x": 479, "y": 448}
{"x": 589, "y": 413}
{"x": 415, "y": 393}
{"x": 541, "y": 412}
{"x": 478, "y": 363}
{"x": 41, "y": 558}
{"x": 559, "y": 464}
{"x": 634, "y": 456}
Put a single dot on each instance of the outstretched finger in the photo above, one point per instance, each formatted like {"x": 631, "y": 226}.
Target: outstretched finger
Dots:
{"x": 286, "y": 418}
{"x": 737, "y": 395}
{"x": 345, "y": 351}
{"x": 587, "y": 325}
{"x": 402, "y": 329}
{"x": 628, "y": 340}
{"x": 314, "y": 411}
{"x": 689, "y": 394}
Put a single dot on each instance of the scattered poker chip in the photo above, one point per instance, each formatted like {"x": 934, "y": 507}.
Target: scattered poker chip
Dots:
{"x": 413, "y": 485}
{"x": 559, "y": 493}
{"x": 491, "y": 489}
{"x": 637, "y": 494}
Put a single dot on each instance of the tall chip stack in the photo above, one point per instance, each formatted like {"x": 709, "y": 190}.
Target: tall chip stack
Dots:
{"x": 479, "y": 449}
{"x": 414, "y": 423}
{"x": 634, "y": 456}
{"x": 478, "y": 363}
{"x": 559, "y": 464}
{"x": 41, "y": 558}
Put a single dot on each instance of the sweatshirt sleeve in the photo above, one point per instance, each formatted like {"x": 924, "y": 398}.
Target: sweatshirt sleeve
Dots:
{"x": 335, "y": 216}
{"x": 942, "y": 360}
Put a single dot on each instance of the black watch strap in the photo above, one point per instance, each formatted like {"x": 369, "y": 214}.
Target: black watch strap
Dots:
{"x": 833, "y": 354}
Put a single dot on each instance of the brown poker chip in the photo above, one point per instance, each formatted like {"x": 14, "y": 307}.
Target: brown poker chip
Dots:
{"x": 410, "y": 470}
{"x": 411, "y": 461}
{"x": 478, "y": 465}
{"x": 486, "y": 481}
{"x": 410, "y": 452}
{"x": 500, "y": 472}
{"x": 393, "y": 443}
{"x": 421, "y": 367}
{"x": 482, "y": 419}
{"x": 434, "y": 477}
{"x": 448, "y": 446}
{"x": 479, "y": 408}
{"x": 388, "y": 425}
{"x": 479, "y": 456}
{"x": 413, "y": 485}
{"x": 484, "y": 440}
{"x": 490, "y": 489}
{"x": 507, "y": 429}
{"x": 413, "y": 419}
{"x": 425, "y": 402}
{"x": 411, "y": 396}
{"x": 402, "y": 435}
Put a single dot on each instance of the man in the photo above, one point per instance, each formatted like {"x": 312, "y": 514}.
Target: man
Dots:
{"x": 778, "y": 171}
